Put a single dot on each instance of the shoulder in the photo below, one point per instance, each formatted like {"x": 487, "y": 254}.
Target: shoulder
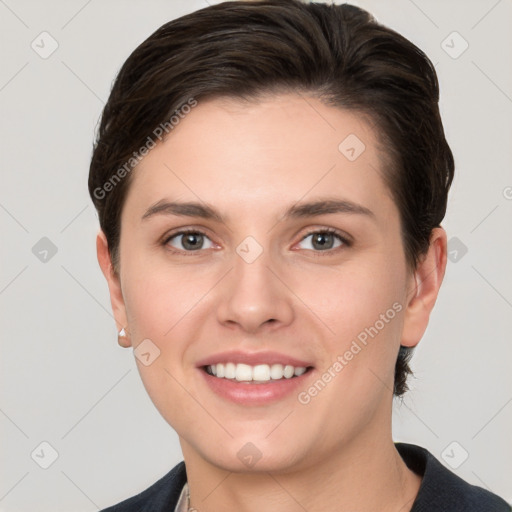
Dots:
{"x": 441, "y": 490}
{"x": 161, "y": 496}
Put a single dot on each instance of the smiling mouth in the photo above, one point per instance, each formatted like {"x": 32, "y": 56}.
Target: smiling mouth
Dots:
{"x": 257, "y": 374}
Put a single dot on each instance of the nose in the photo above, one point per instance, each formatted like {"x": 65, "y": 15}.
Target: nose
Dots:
{"x": 255, "y": 297}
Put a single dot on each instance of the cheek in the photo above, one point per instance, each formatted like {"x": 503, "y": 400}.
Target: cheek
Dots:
{"x": 351, "y": 299}
{"x": 161, "y": 306}
{"x": 360, "y": 308}
{"x": 363, "y": 316}
{"x": 158, "y": 297}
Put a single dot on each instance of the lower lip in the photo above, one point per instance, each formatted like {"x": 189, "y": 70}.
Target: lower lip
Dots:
{"x": 255, "y": 394}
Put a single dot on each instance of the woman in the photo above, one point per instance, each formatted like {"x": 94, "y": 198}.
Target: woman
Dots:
{"x": 270, "y": 179}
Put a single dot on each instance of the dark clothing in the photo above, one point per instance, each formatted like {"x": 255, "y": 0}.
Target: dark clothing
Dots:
{"x": 440, "y": 491}
{"x": 444, "y": 491}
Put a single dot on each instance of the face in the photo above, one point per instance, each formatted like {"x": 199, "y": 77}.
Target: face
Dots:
{"x": 291, "y": 256}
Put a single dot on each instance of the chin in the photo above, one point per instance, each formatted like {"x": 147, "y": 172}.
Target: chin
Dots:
{"x": 253, "y": 457}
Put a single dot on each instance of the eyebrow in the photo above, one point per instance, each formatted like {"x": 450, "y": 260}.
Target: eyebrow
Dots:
{"x": 298, "y": 210}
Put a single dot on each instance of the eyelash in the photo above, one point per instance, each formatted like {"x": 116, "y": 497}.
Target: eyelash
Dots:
{"x": 331, "y": 231}
{"x": 345, "y": 241}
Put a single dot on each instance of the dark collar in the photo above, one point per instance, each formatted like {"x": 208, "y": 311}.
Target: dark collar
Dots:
{"x": 440, "y": 490}
{"x": 444, "y": 491}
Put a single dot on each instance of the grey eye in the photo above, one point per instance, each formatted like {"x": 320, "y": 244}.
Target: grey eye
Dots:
{"x": 192, "y": 241}
{"x": 321, "y": 241}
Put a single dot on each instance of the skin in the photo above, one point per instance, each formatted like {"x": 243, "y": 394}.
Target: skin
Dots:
{"x": 252, "y": 161}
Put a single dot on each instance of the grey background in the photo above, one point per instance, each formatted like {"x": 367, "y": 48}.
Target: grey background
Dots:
{"x": 65, "y": 381}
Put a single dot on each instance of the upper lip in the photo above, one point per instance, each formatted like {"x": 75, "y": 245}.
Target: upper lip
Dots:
{"x": 252, "y": 359}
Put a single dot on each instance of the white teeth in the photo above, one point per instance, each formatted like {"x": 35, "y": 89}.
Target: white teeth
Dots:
{"x": 276, "y": 371}
{"x": 258, "y": 373}
{"x": 299, "y": 370}
{"x": 261, "y": 372}
{"x": 243, "y": 372}
{"x": 230, "y": 371}
{"x": 289, "y": 371}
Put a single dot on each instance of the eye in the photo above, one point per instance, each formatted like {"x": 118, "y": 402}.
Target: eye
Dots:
{"x": 189, "y": 241}
{"x": 323, "y": 240}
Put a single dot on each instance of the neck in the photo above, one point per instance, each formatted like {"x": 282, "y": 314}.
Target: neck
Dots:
{"x": 366, "y": 474}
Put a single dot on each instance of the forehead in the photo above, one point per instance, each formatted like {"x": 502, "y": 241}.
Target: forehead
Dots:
{"x": 276, "y": 150}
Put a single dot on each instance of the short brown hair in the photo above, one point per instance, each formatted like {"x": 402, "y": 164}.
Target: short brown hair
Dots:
{"x": 242, "y": 50}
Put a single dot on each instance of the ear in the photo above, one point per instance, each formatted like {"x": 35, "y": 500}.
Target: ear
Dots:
{"x": 424, "y": 288}
{"x": 114, "y": 286}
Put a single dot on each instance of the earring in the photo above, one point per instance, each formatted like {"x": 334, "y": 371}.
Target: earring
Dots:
{"x": 122, "y": 338}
